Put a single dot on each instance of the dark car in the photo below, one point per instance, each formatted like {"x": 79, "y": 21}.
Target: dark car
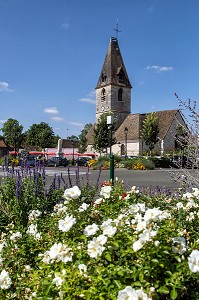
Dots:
{"x": 181, "y": 161}
{"x": 29, "y": 161}
{"x": 57, "y": 161}
{"x": 82, "y": 161}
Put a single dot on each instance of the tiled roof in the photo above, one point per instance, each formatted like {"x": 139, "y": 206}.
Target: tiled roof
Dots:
{"x": 2, "y": 144}
{"x": 90, "y": 135}
{"x": 165, "y": 119}
{"x": 134, "y": 124}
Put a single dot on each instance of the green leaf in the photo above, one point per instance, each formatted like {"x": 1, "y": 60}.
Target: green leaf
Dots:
{"x": 108, "y": 257}
{"x": 141, "y": 277}
{"x": 173, "y": 294}
{"x": 163, "y": 290}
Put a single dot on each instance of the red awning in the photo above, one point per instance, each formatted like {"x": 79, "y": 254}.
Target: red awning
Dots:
{"x": 50, "y": 153}
{"x": 75, "y": 153}
{"x": 13, "y": 152}
{"x": 36, "y": 152}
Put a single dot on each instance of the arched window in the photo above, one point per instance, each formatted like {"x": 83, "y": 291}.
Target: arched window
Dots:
{"x": 103, "y": 77}
{"x": 120, "y": 92}
{"x": 103, "y": 95}
{"x": 120, "y": 75}
{"x": 122, "y": 149}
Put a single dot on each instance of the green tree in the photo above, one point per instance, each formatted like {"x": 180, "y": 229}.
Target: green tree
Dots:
{"x": 150, "y": 130}
{"x": 12, "y": 133}
{"x": 82, "y": 138}
{"x": 73, "y": 137}
{"x": 102, "y": 134}
{"x": 41, "y": 135}
{"x": 182, "y": 136}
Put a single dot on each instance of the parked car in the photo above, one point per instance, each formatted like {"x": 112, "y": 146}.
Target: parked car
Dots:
{"x": 28, "y": 161}
{"x": 82, "y": 161}
{"x": 181, "y": 161}
{"x": 57, "y": 161}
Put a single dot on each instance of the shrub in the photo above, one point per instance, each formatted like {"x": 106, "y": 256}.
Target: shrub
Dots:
{"x": 161, "y": 162}
{"x": 108, "y": 245}
{"x": 139, "y": 163}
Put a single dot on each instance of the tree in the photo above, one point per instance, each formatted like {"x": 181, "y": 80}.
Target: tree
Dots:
{"x": 150, "y": 130}
{"x": 102, "y": 134}
{"x": 12, "y": 133}
{"x": 73, "y": 137}
{"x": 82, "y": 138}
{"x": 182, "y": 137}
{"x": 41, "y": 135}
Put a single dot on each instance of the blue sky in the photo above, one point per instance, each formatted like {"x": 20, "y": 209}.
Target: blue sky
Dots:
{"x": 52, "y": 52}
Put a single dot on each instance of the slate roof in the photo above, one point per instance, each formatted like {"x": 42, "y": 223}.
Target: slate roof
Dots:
{"x": 134, "y": 124}
{"x": 113, "y": 65}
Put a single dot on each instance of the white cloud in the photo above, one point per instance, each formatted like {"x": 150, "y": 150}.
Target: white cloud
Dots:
{"x": 89, "y": 97}
{"x": 4, "y": 87}
{"x": 92, "y": 93}
{"x": 76, "y": 124}
{"x": 88, "y": 100}
{"x": 66, "y": 24}
{"x": 166, "y": 69}
{"x": 159, "y": 68}
{"x": 57, "y": 119}
{"x": 51, "y": 110}
{"x": 2, "y": 121}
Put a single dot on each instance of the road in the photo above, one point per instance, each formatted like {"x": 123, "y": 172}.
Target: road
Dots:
{"x": 159, "y": 178}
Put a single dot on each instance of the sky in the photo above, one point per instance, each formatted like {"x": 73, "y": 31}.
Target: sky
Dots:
{"x": 52, "y": 52}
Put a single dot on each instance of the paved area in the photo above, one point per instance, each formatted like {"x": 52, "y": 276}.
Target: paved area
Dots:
{"x": 159, "y": 178}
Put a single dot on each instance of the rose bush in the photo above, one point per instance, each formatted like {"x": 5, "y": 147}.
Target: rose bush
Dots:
{"x": 115, "y": 245}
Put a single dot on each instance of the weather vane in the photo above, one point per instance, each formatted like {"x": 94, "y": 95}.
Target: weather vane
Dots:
{"x": 117, "y": 30}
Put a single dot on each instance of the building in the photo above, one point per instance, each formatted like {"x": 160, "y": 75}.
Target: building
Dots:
{"x": 4, "y": 149}
{"x": 113, "y": 95}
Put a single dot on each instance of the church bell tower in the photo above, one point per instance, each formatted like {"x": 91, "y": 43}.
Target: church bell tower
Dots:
{"x": 113, "y": 90}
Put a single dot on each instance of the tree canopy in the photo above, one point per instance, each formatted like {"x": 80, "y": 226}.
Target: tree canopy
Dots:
{"x": 82, "y": 138}
{"x": 12, "y": 133}
{"x": 41, "y": 135}
{"x": 102, "y": 134}
{"x": 150, "y": 130}
{"x": 182, "y": 136}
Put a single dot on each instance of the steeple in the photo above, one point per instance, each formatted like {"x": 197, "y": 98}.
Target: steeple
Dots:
{"x": 113, "y": 70}
{"x": 113, "y": 89}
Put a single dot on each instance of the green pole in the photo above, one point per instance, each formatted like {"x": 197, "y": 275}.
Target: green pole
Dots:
{"x": 112, "y": 168}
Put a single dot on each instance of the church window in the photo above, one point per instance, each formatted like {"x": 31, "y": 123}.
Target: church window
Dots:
{"x": 103, "y": 95}
{"x": 120, "y": 92}
{"x": 103, "y": 77}
{"x": 120, "y": 75}
{"x": 122, "y": 149}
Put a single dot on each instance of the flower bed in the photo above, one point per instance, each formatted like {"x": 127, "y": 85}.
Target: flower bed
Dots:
{"x": 117, "y": 245}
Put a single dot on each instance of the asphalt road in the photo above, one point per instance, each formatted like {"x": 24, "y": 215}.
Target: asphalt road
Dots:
{"x": 153, "y": 179}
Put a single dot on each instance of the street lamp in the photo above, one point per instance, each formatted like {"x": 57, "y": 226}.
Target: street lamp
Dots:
{"x": 73, "y": 160}
{"x": 109, "y": 122}
{"x": 126, "y": 133}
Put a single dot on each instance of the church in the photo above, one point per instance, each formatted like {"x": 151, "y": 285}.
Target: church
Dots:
{"x": 113, "y": 95}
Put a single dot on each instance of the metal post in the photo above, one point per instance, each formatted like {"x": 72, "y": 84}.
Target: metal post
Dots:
{"x": 110, "y": 125}
{"x": 125, "y": 132}
{"x": 73, "y": 161}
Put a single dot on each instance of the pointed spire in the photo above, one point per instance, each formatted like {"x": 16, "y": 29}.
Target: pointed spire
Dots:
{"x": 113, "y": 70}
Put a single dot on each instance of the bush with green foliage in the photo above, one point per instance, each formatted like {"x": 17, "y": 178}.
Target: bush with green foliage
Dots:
{"x": 112, "y": 244}
{"x": 131, "y": 163}
{"x": 161, "y": 162}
